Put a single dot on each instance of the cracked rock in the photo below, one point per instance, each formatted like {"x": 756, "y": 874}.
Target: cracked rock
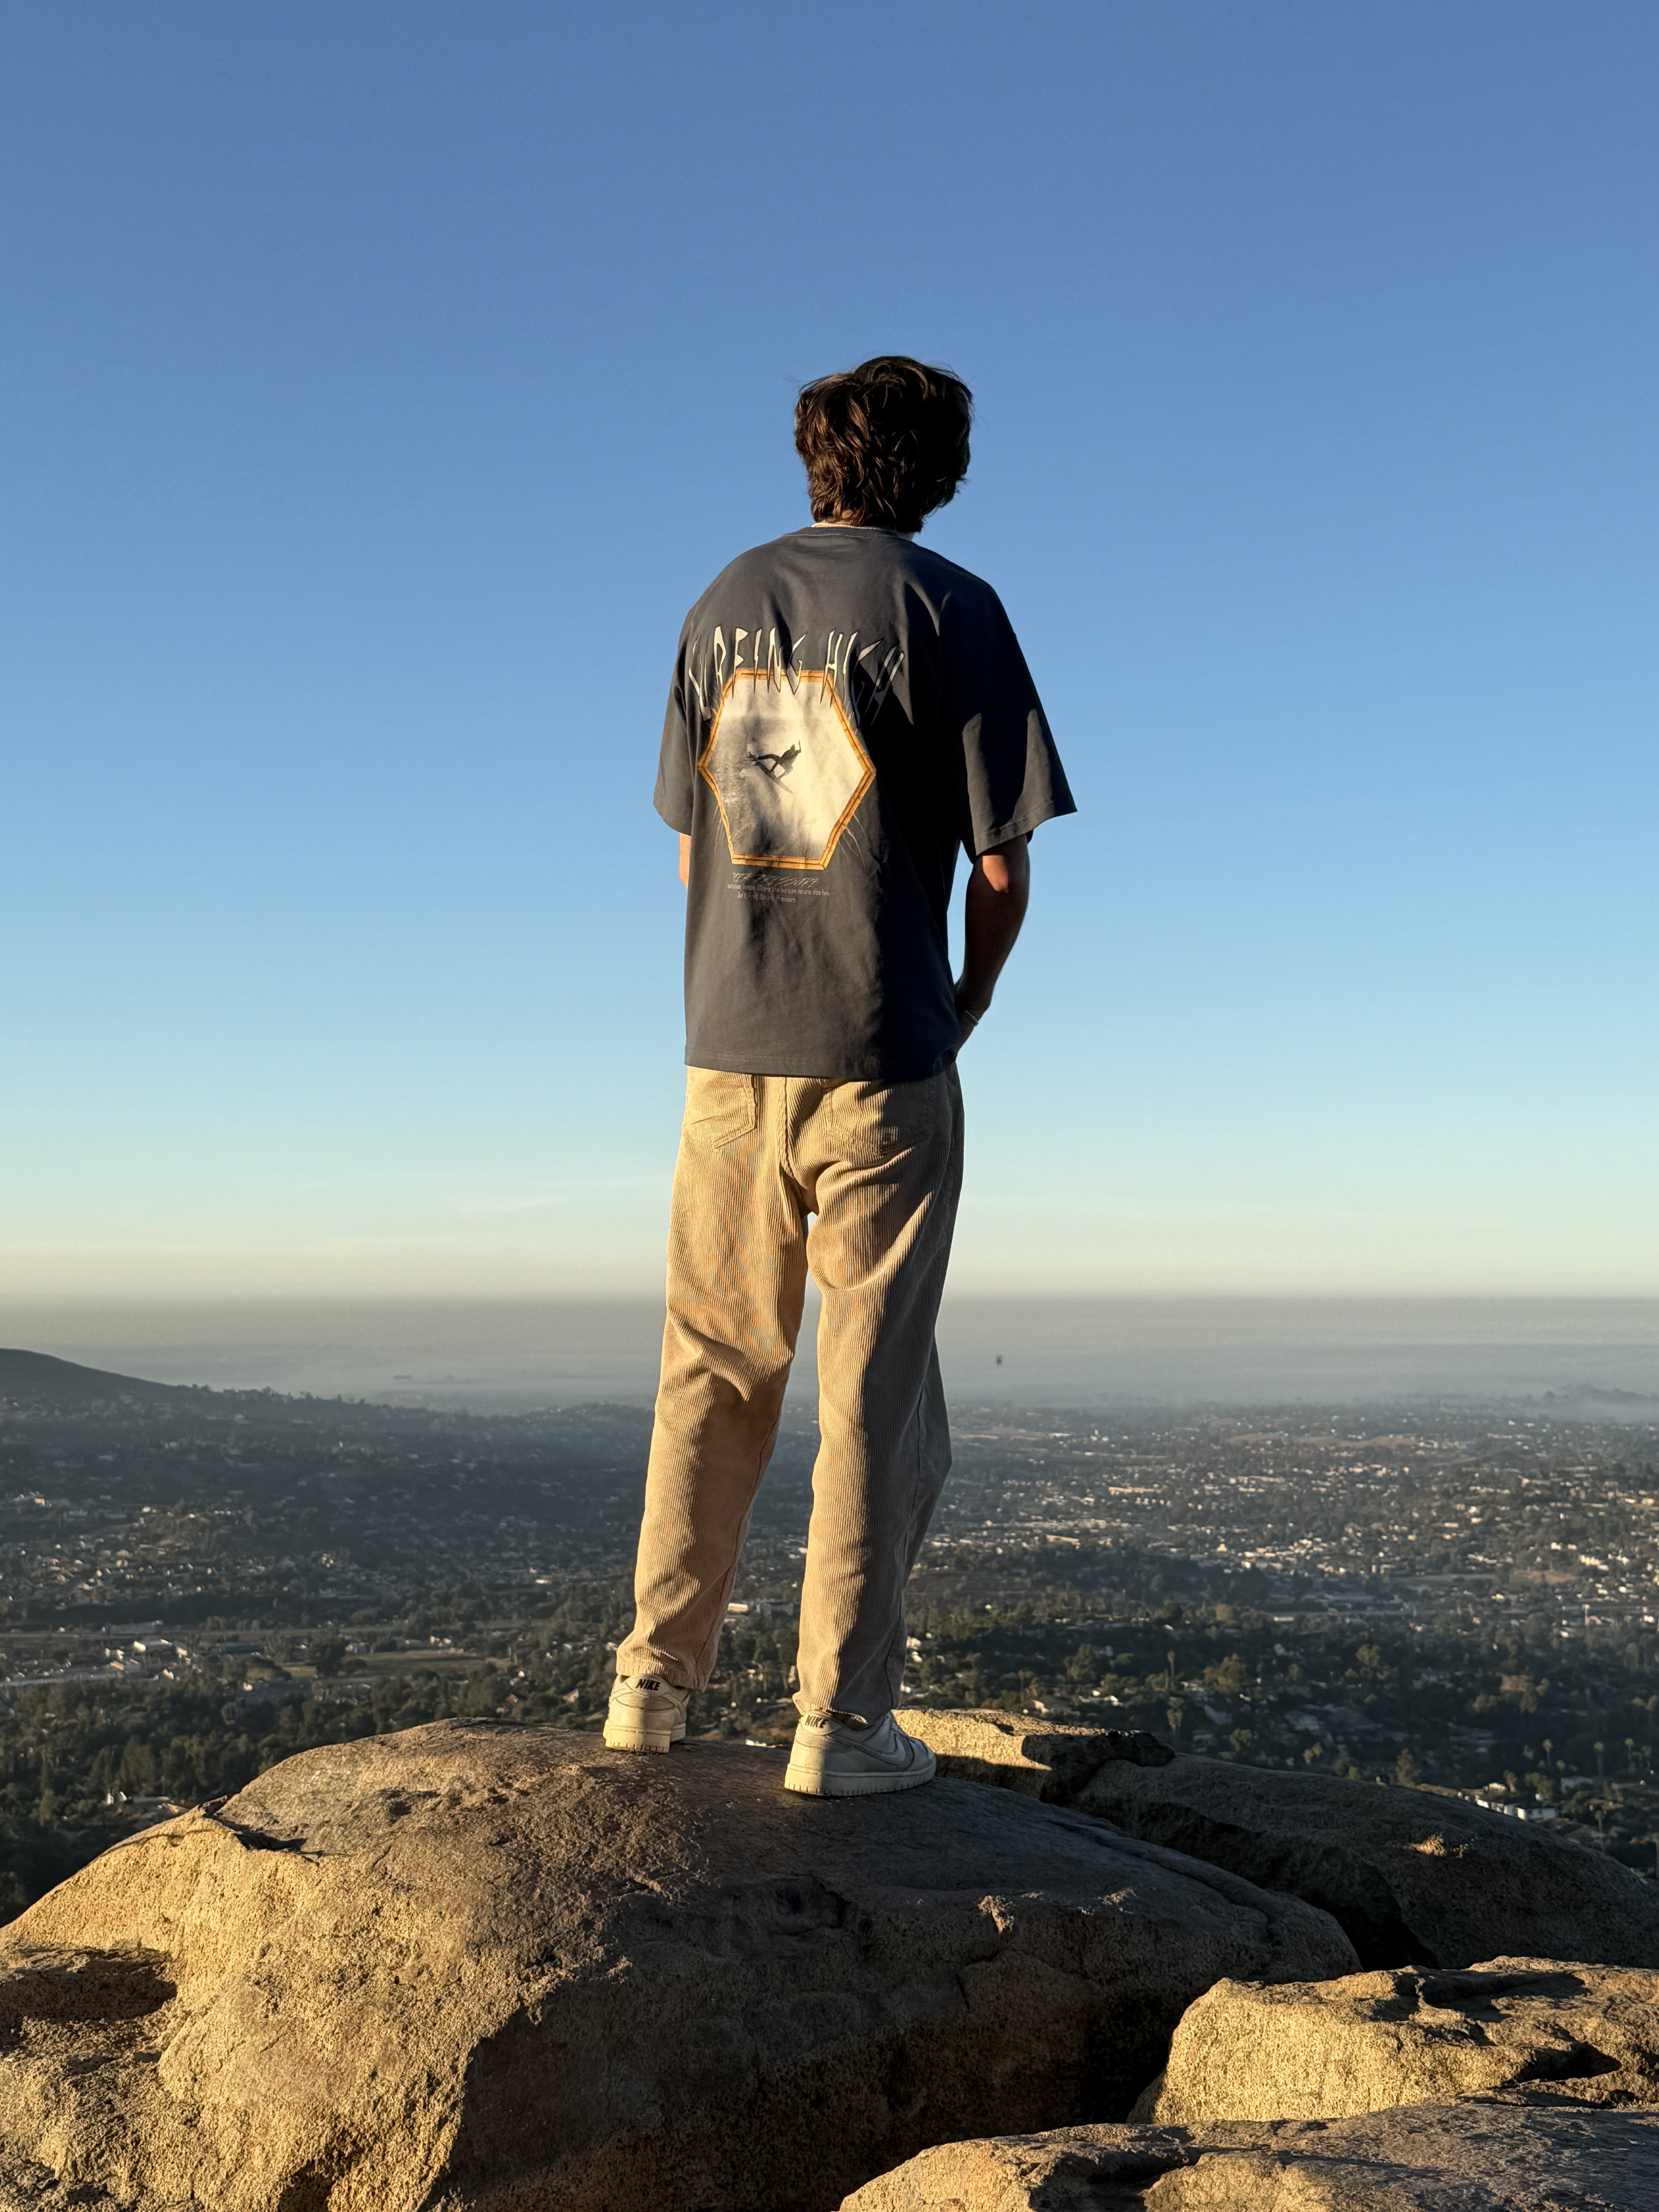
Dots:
{"x": 1475, "y": 2157}
{"x": 484, "y": 1968}
{"x": 1527, "y": 2029}
{"x": 1415, "y": 1877}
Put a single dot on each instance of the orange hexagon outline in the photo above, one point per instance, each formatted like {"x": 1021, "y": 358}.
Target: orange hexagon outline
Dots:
{"x": 823, "y": 679}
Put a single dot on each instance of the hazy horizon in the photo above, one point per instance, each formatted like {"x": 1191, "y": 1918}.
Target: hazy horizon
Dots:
{"x": 1079, "y": 1353}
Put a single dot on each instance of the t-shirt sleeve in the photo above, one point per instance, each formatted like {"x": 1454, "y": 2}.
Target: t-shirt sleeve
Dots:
{"x": 1012, "y": 779}
{"x": 676, "y": 771}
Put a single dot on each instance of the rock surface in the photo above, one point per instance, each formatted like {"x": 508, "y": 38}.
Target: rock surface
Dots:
{"x": 481, "y": 1968}
{"x": 1415, "y": 1878}
{"x": 1517, "y": 2027}
{"x": 1426, "y": 2158}
{"x": 1049, "y": 1760}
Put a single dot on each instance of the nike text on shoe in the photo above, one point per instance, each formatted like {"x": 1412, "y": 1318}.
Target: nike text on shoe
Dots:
{"x": 837, "y": 1755}
{"x": 647, "y": 1714}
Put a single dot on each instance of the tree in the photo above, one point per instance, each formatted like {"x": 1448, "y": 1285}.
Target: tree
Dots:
{"x": 1406, "y": 1772}
{"x": 138, "y": 1772}
{"x": 328, "y": 1655}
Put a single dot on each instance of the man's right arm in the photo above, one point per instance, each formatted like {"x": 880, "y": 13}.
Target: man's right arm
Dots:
{"x": 685, "y": 858}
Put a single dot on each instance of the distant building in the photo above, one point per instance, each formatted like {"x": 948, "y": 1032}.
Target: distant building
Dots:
{"x": 1509, "y": 1807}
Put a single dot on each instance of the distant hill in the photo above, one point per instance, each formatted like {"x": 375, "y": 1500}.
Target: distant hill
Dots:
{"x": 40, "y": 1378}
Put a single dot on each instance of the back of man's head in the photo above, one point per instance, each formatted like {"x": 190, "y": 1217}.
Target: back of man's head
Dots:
{"x": 885, "y": 443}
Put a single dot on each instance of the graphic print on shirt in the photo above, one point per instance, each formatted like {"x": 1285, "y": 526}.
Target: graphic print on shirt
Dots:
{"x": 785, "y": 767}
{"x": 784, "y": 758}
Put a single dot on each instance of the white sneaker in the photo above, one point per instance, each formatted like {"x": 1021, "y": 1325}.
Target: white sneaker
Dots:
{"x": 645, "y": 1714}
{"x": 837, "y": 1755}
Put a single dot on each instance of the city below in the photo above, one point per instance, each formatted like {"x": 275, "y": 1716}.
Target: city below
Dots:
{"x": 1450, "y": 1594}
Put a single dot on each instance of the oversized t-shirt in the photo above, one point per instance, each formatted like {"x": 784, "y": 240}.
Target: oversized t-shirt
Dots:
{"x": 849, "y": 711}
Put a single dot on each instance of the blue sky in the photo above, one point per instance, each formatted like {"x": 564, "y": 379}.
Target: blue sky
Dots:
{"x": 383, "y": 382}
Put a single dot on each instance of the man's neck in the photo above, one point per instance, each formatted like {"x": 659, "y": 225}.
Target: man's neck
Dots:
{"x": 845, "y": 522}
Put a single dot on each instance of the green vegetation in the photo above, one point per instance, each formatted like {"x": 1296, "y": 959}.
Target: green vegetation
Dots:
{"x": 78, "y": 1762}
{"x": 194, "y": 1584}
{"x": 82, "y": 1765}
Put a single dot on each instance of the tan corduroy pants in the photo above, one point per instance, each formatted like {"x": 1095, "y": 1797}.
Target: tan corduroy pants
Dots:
{"x": 880, "y": 1167}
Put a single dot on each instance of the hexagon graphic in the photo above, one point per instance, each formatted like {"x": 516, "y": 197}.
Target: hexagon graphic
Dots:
{"x": 785, "y": 767}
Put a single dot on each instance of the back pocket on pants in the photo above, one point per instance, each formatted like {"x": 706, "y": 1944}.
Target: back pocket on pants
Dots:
{"x": 874, "y": 1122}
{"x": 719, "y": 1108}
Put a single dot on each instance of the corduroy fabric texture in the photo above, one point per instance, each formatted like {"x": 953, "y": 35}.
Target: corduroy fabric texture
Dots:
{"x": 879, "y": 1165}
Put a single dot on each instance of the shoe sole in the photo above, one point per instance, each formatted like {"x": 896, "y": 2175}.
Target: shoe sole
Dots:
{"x": 617, "y": 1739}
{"x": 809, "y": 1782}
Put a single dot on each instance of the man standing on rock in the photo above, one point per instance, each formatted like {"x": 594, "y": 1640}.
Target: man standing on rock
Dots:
{"x": 847, "y": 710}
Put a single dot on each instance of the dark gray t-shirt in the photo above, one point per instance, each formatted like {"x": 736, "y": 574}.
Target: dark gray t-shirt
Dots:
{"x": 849, "y": 711}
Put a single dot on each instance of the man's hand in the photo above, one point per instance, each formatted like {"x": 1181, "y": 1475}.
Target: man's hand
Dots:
{"x": 998, "y": 892}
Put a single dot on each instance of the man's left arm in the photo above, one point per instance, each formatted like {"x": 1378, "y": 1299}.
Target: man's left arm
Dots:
{"x": 999, "y": 892}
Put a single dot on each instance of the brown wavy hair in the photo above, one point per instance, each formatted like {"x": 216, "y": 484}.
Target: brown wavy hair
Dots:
{"x": 884, "y": 443}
